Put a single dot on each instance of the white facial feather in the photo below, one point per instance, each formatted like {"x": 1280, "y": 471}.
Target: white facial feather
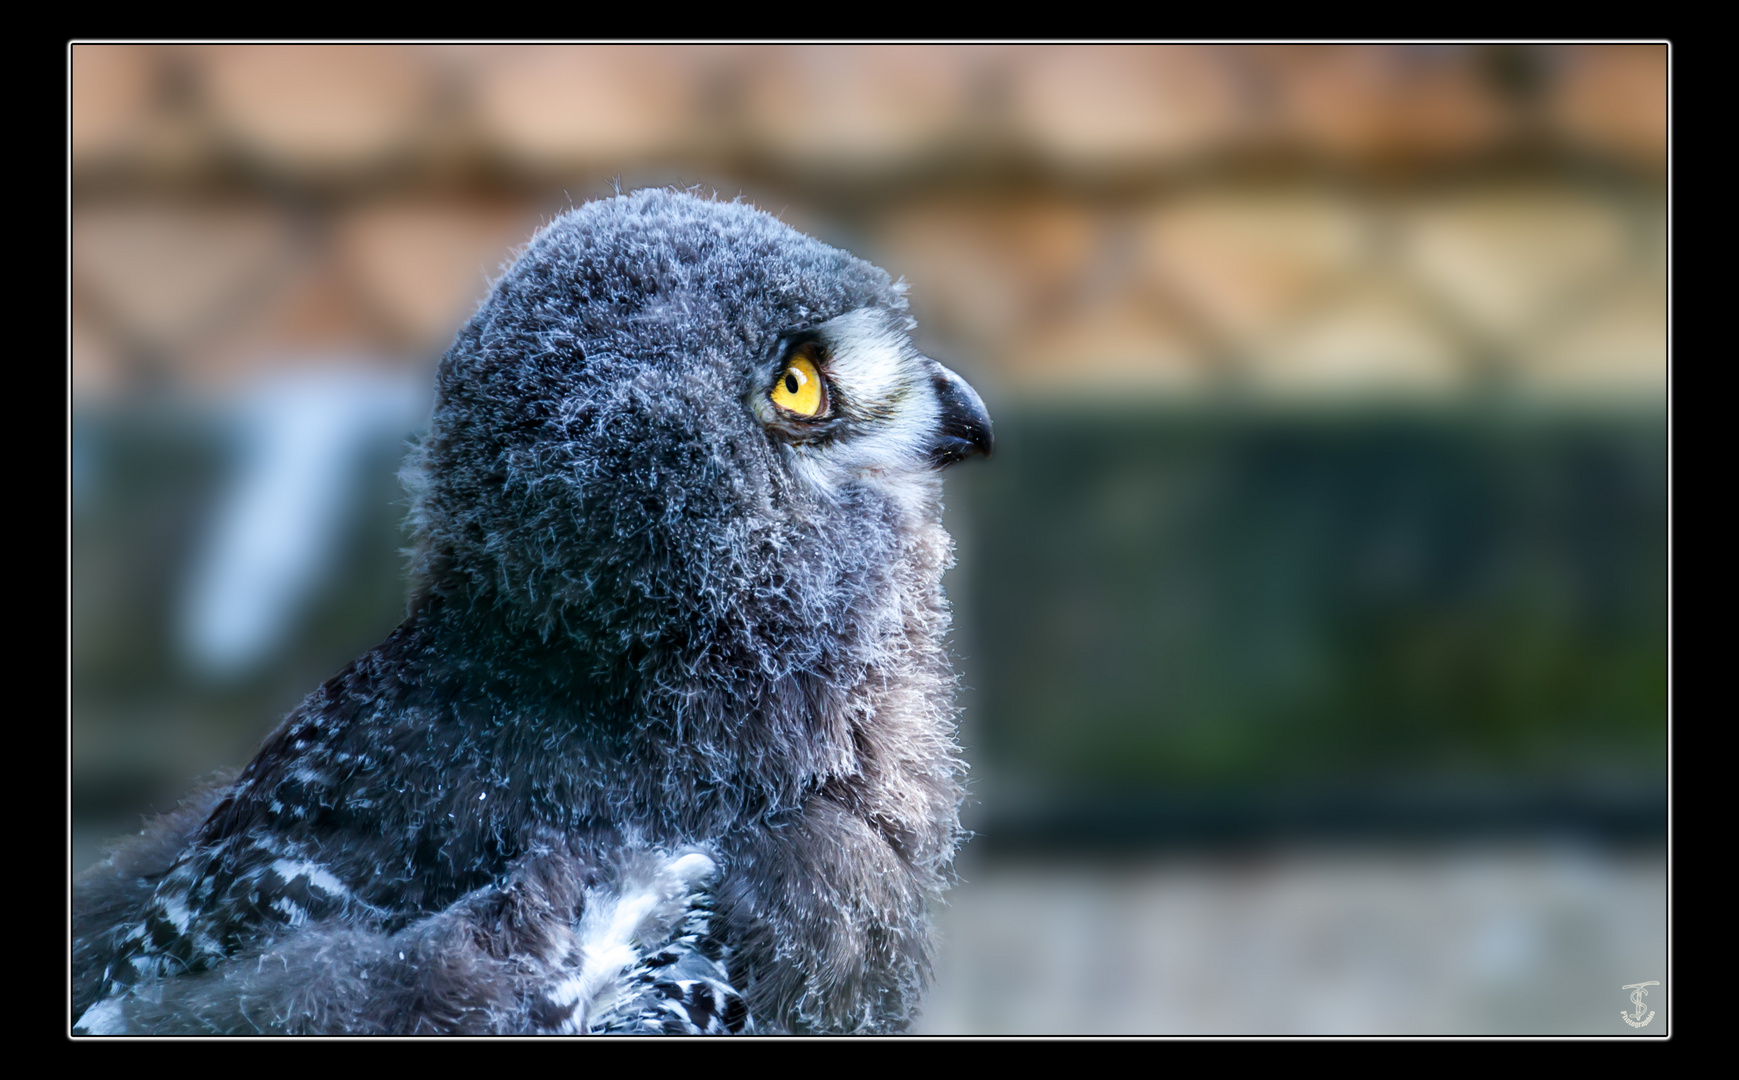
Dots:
{"x": 884, "y": 387}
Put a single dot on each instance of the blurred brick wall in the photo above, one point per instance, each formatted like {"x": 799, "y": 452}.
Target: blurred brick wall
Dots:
{"x": 1298, "y": 219}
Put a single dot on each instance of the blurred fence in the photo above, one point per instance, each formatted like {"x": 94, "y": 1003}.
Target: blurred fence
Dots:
{"x": 1303, "y": 218}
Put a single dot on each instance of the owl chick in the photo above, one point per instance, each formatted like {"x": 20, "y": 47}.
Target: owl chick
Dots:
{"x": 666, "y": 740}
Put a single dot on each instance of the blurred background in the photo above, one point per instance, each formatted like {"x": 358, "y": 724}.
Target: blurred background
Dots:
{"x": 1312, "y": 614}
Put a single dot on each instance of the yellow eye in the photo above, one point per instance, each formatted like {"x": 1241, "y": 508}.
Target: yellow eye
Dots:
{"x": 799, "y": 387}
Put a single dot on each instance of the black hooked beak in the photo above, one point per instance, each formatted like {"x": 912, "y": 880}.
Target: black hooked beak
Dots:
{"x": 964, "y": 429}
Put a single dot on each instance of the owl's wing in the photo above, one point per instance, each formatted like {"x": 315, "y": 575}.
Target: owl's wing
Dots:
{"x": 537, "y": 953}
{"x": 114, "y": 895}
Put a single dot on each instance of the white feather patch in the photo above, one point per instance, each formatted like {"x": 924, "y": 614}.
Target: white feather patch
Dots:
{"x": 104, "y": 1018}
{"x": 317, "y": 875}
{"x": 612, "y": 928}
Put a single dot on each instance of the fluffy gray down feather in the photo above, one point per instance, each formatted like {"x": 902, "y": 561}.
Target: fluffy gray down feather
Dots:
{"x": 666, "y": 740}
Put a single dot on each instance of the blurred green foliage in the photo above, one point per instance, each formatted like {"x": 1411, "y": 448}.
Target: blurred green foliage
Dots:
{"x": 1151, "y": 602}
{"x": 1252, "y": 597}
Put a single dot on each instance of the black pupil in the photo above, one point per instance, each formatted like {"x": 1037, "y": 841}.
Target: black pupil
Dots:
{"x": 790, "y": 382}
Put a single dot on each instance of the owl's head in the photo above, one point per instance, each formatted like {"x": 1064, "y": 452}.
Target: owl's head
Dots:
{"x": 681, "y": 418}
